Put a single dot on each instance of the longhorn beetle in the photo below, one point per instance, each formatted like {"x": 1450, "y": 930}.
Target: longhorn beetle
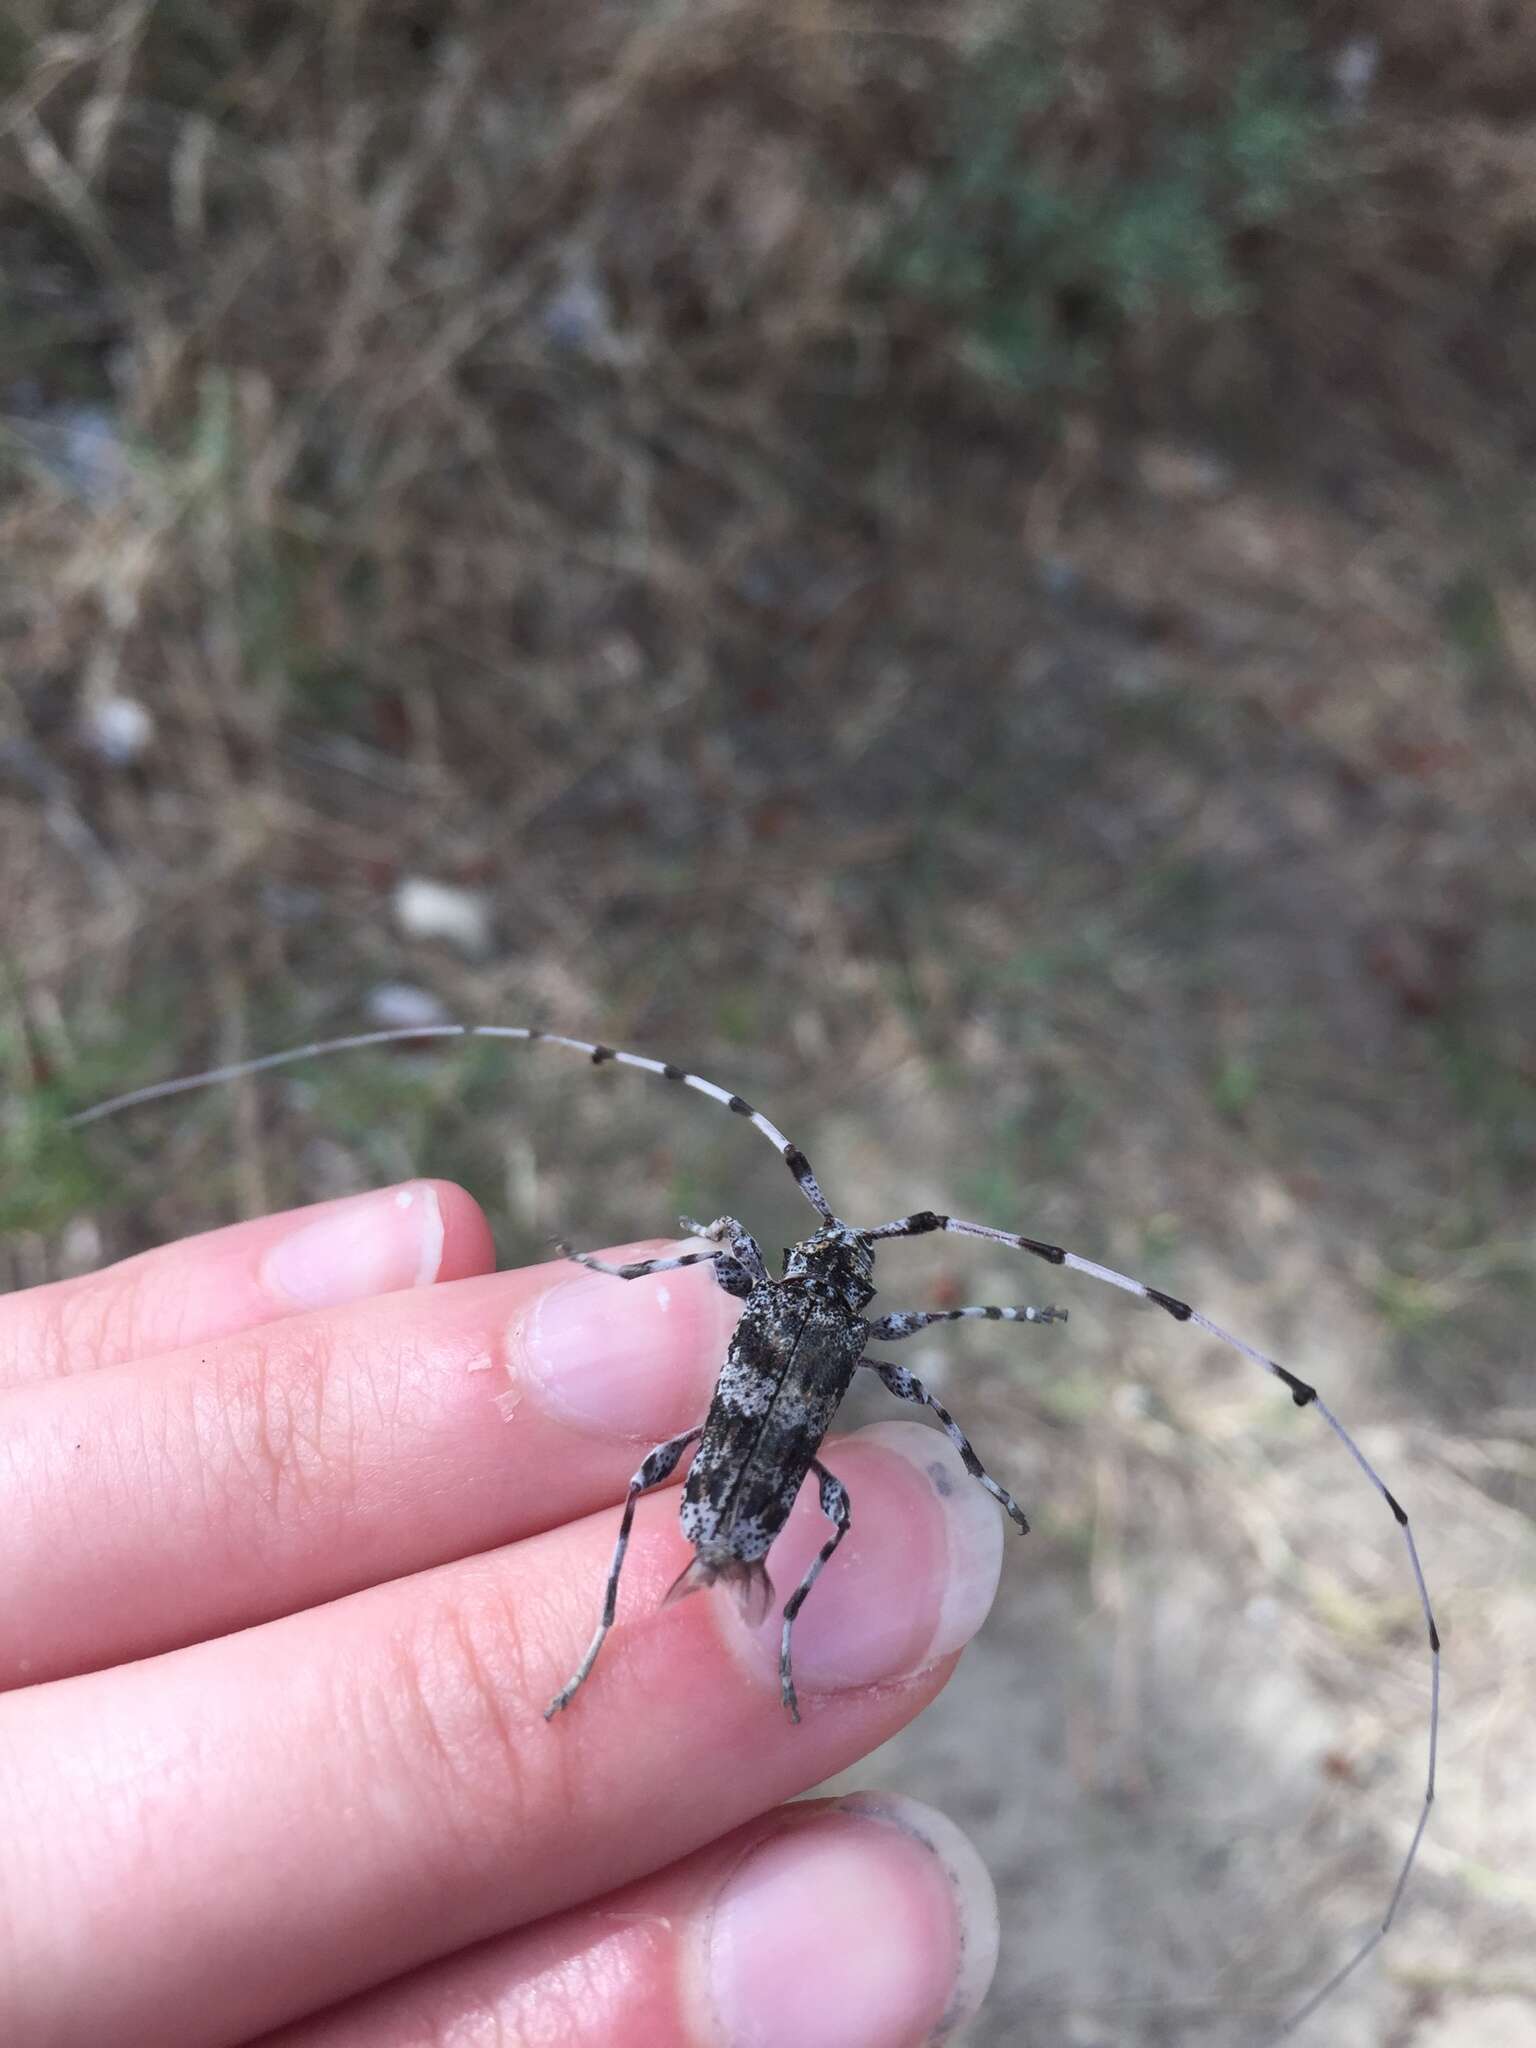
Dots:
{"x": 796, "y": 1348}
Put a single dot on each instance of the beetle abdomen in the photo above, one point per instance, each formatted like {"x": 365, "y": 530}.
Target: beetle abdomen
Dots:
{"x": 788, "y": 1368}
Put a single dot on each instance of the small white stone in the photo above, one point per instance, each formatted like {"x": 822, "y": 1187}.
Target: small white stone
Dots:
{"x": 80, "y": 446}
{"x": 119, "y": 729}
{"x": 578, "y": 317}
{"x": 401, "y": 1006}
{"x": 1353, "y": 70}
{"x": 425, "y": 909}
{"x": 1132, "y": 1401}
{"x": 80, "y": 1247}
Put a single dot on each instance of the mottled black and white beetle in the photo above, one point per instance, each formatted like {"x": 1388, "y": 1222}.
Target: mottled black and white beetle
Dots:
{"x": 792, "y": 1359}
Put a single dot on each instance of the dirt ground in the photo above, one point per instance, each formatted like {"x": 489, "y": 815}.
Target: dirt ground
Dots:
{"x": 1072, "y": 768}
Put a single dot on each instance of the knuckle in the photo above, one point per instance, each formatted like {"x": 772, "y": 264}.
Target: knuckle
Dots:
{"x": 281, "y": 1419}
{"x": 124, "y": 1312}
{"x": 84, "y": 1330}
{"x": 268, "y": 1433}
{"x": 459, "y": 1695}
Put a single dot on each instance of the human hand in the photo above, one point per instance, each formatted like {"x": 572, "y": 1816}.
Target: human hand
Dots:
{"x": 305, "y": 1521}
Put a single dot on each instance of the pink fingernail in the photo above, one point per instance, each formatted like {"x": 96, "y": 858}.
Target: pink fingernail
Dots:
{"x": 373, "y": 1244}
{"x": 866, "y": 1928}
{"x": 912, "y": 1581}
{"x": 972, "y": 1894}
{"x": 630, "y": 1358}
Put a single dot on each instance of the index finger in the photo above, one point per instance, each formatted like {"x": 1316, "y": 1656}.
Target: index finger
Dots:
{"x": 154, "y": 1503}
{"x": 244, "y": 1276}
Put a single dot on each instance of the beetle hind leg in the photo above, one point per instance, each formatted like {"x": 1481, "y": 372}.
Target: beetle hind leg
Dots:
{"x": 835, "y": 1506}
{"x": 659, "y": 1465}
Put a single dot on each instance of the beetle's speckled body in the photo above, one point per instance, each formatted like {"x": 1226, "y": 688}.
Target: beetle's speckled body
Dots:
{"x": 789, "y": 1365}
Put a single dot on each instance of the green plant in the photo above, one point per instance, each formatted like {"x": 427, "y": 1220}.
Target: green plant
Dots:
{"x": 1080, "y": 196}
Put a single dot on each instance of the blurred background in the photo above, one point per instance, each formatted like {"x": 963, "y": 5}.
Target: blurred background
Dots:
{"x": 965, "y": 570}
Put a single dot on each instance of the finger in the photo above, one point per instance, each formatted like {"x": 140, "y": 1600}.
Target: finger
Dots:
{"x": 345, "y": 1794}
{"x": 148, "y": 1506}
{"x": 868, "y": 1922}
{"x": 244, "y": 1276}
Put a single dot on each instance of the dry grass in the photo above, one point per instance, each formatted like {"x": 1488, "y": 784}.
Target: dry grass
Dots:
{"x": 1075, "y": 769}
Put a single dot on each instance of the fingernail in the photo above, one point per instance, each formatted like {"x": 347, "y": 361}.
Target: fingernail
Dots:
{"x": 871, "y": 1926}
{"x": 372, "y": 1244}
{"x": 625, "y": 1357}
{"x": 973, "y": 1895}
{"x": 911, "y": 1582}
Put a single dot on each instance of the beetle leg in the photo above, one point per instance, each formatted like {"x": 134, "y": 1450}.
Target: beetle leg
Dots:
{"x": 834, "y": 1504}
{"x": 659, "y": 1465}
{"x": 906, "y": 1386}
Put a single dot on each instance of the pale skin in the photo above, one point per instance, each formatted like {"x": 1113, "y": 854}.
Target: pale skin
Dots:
{"x": 305, "y": 1522}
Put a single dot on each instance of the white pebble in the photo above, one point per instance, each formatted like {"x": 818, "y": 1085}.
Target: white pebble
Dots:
{"x": 117, "y": 728}
{"x": 400, "y": 1006}
{"x": 438, "y": 910}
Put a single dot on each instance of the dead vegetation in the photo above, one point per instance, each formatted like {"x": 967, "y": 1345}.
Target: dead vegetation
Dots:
{"x": 967, "y": 567}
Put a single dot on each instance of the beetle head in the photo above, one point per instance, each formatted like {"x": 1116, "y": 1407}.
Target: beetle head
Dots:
{"x": 839, "y": 1258}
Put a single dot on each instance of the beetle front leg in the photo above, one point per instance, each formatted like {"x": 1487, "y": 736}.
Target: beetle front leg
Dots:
{"x": 638, "y": 1269}
{"x": 744, "y": 1259}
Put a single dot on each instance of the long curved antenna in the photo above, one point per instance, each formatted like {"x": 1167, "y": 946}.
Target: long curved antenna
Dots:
{"x": 1305, "y": 1396}
{"x": 792, "y": 1156}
